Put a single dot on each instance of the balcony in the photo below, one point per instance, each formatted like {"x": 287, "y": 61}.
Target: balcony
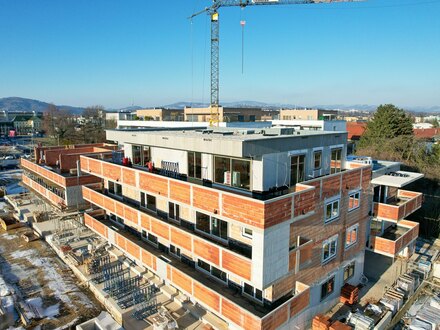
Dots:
{"x": 394, "y": 239}
{"x": 225, "y": 301}
{"x": 405, "y": 203}
{"x": 55, "y": 195}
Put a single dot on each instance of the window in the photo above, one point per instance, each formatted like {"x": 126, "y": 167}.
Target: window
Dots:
{"x": 233, "y": 172}
{"x": 317, "y": 157}
{"x": 114, "y": 188}
{"x": 140, "y": 155}
{"x": 219, "y": 228}
{"x": 214, "y": 271}
{"x": 203, "y": 222}
{"x": 211, "y": 225}
{"x": 136, "y": 155}
{"x": 119, "y": 221}
{"x": 152, "y": 239}
{"x": 144, "y": 234}
{"x": 351, "y": 236}
{"x": 349, "y": 271}
{"x": 297, "y": 169}
{"x": 329, "y": 248}
{"x": 148, "y": 201}
{"x": 335, "y": 163}
{"x": 246, "y": 232}
{"x": 174, "y": 211}
{"x": 194, "y": 164}
{"x": 327, "y": 288}
{"x": 175, "y": 250}
{"x": 253, "y": 292}
{"x": 354, "y": 200}
{"x": 331, "y": 210}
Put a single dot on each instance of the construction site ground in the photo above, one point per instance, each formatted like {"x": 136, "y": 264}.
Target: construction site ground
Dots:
{"x": 42, "y": 284}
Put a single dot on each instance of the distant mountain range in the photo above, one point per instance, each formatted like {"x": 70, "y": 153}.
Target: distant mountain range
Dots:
{"x": 23, "y": 104}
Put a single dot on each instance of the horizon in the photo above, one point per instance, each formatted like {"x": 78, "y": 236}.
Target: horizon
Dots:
{"x": 144, "y": 53}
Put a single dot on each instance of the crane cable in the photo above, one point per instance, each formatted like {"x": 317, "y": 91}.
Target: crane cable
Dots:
{"x": 243, "y": 24}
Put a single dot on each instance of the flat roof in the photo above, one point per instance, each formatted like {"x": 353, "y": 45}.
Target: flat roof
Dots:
{"x": 397, "y": 179}
{"x": 243, "y": 142}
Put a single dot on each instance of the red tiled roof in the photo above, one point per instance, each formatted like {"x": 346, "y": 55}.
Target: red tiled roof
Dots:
{"x": 355, "y": 129}
{"x": 426, "y": 133}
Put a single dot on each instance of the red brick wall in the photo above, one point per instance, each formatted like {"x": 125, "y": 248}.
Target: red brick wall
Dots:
{"x": 206, "y": 296}
{"x": 206, "y": 199}
{"x": 209, "y": 252}
{"x": 180, "y": 192}
{"x": 236, "y": 264}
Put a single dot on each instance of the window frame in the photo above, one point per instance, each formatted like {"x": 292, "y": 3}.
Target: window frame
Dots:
{"x": 353, "y": 193}
{"x": 351, "y": 265}
{"x": 193, "y": 168}
{"x": 244, "y": 234}
{"x": 176, "y": 211}
{"x": 329, "y": 242}
{"x": 350, "y": 229}
{"x": 114, "y": 191}
{"x": 297, "y": 164}
{"x": 316, "y": 152}
{"x": 203, "y": 270}
{"x": 229, "y": 165}
{"x": 254, "y": 291}
{"x": 331, "y": 202}
{"x": 326, "y": 282}
{"x": 210, "y": 234}
{"x": 339, "y": 148}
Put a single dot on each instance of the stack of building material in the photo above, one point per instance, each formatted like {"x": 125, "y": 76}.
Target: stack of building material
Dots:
{"x": 406, "y": 284}
{"x": 360, "y": 322}
{"x": 340, "y": 326}
{"x": 349, "y": 294}
{"x": 321, "y": 322}
{"x": 393, "y": 300}
{"x": 428, "y": 315}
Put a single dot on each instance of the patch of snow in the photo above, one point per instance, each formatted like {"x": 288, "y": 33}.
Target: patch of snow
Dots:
{"x": 37, "y": 305}
{"x": 5, "y": 290}
{"x": 8, "y": 237}
{"x": 23, "y": 254}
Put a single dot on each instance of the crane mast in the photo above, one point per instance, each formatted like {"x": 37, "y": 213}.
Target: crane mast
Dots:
{"x": 212, "y": 11}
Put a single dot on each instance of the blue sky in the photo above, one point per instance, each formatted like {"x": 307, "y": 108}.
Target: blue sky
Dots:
{"x": 145, "y": 52}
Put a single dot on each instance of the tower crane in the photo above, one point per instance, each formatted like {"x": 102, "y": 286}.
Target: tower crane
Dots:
{"x": 212, "y": 11}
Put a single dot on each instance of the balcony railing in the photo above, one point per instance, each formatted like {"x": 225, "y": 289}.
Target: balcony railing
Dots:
{"x": 218, "y": 298}
{"x": 395, "y": 238}
{"x": 399, "y": 208}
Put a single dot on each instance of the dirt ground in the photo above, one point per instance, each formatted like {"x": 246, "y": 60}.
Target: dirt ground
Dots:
{"x": 40, "y": 279}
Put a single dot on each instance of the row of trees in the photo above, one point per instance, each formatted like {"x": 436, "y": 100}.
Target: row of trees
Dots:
{"x": 65, "y": 128}
{"x": 389, "y": 136}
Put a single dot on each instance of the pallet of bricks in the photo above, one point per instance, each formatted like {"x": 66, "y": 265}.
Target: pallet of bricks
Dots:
{"x": 349, "y": 294}
{"x": 321, "y": 322}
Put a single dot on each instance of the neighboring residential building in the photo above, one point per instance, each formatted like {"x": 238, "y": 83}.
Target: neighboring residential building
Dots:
{"x": 429, "y": 134}
{"x": 53, "y": 174}
{"x": 226, "y": 114}
{"x": 260, "y": 227}
{"x": 314, "y": 125}
{"x": 22, "y": 123}
{"x": 119, "y": 115}
{"x": 307, "y": 114}
{"x": 355, "y": 131}
{"x": 160, "y": 114}
{"x": 422, "y": 125}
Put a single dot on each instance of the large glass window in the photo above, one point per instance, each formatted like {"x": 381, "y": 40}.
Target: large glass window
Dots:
{"x": 233, "y": 172}
{"x": 335, "y": 163}
{"x": 114, "y": 188}
{"x": 297, "y": 169}
{"x": 213, "y": 226}
{"x": 146, "y": 157}
{"x": 136, "y": 155}
{"x": 148, "y": 201}
{"x": 202, "y": 222}
{"x": 194, "y": 164}
{"x": 222, "y": 170}
{"x": 219, "y": 228}
{"x": 253, "y": 292}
